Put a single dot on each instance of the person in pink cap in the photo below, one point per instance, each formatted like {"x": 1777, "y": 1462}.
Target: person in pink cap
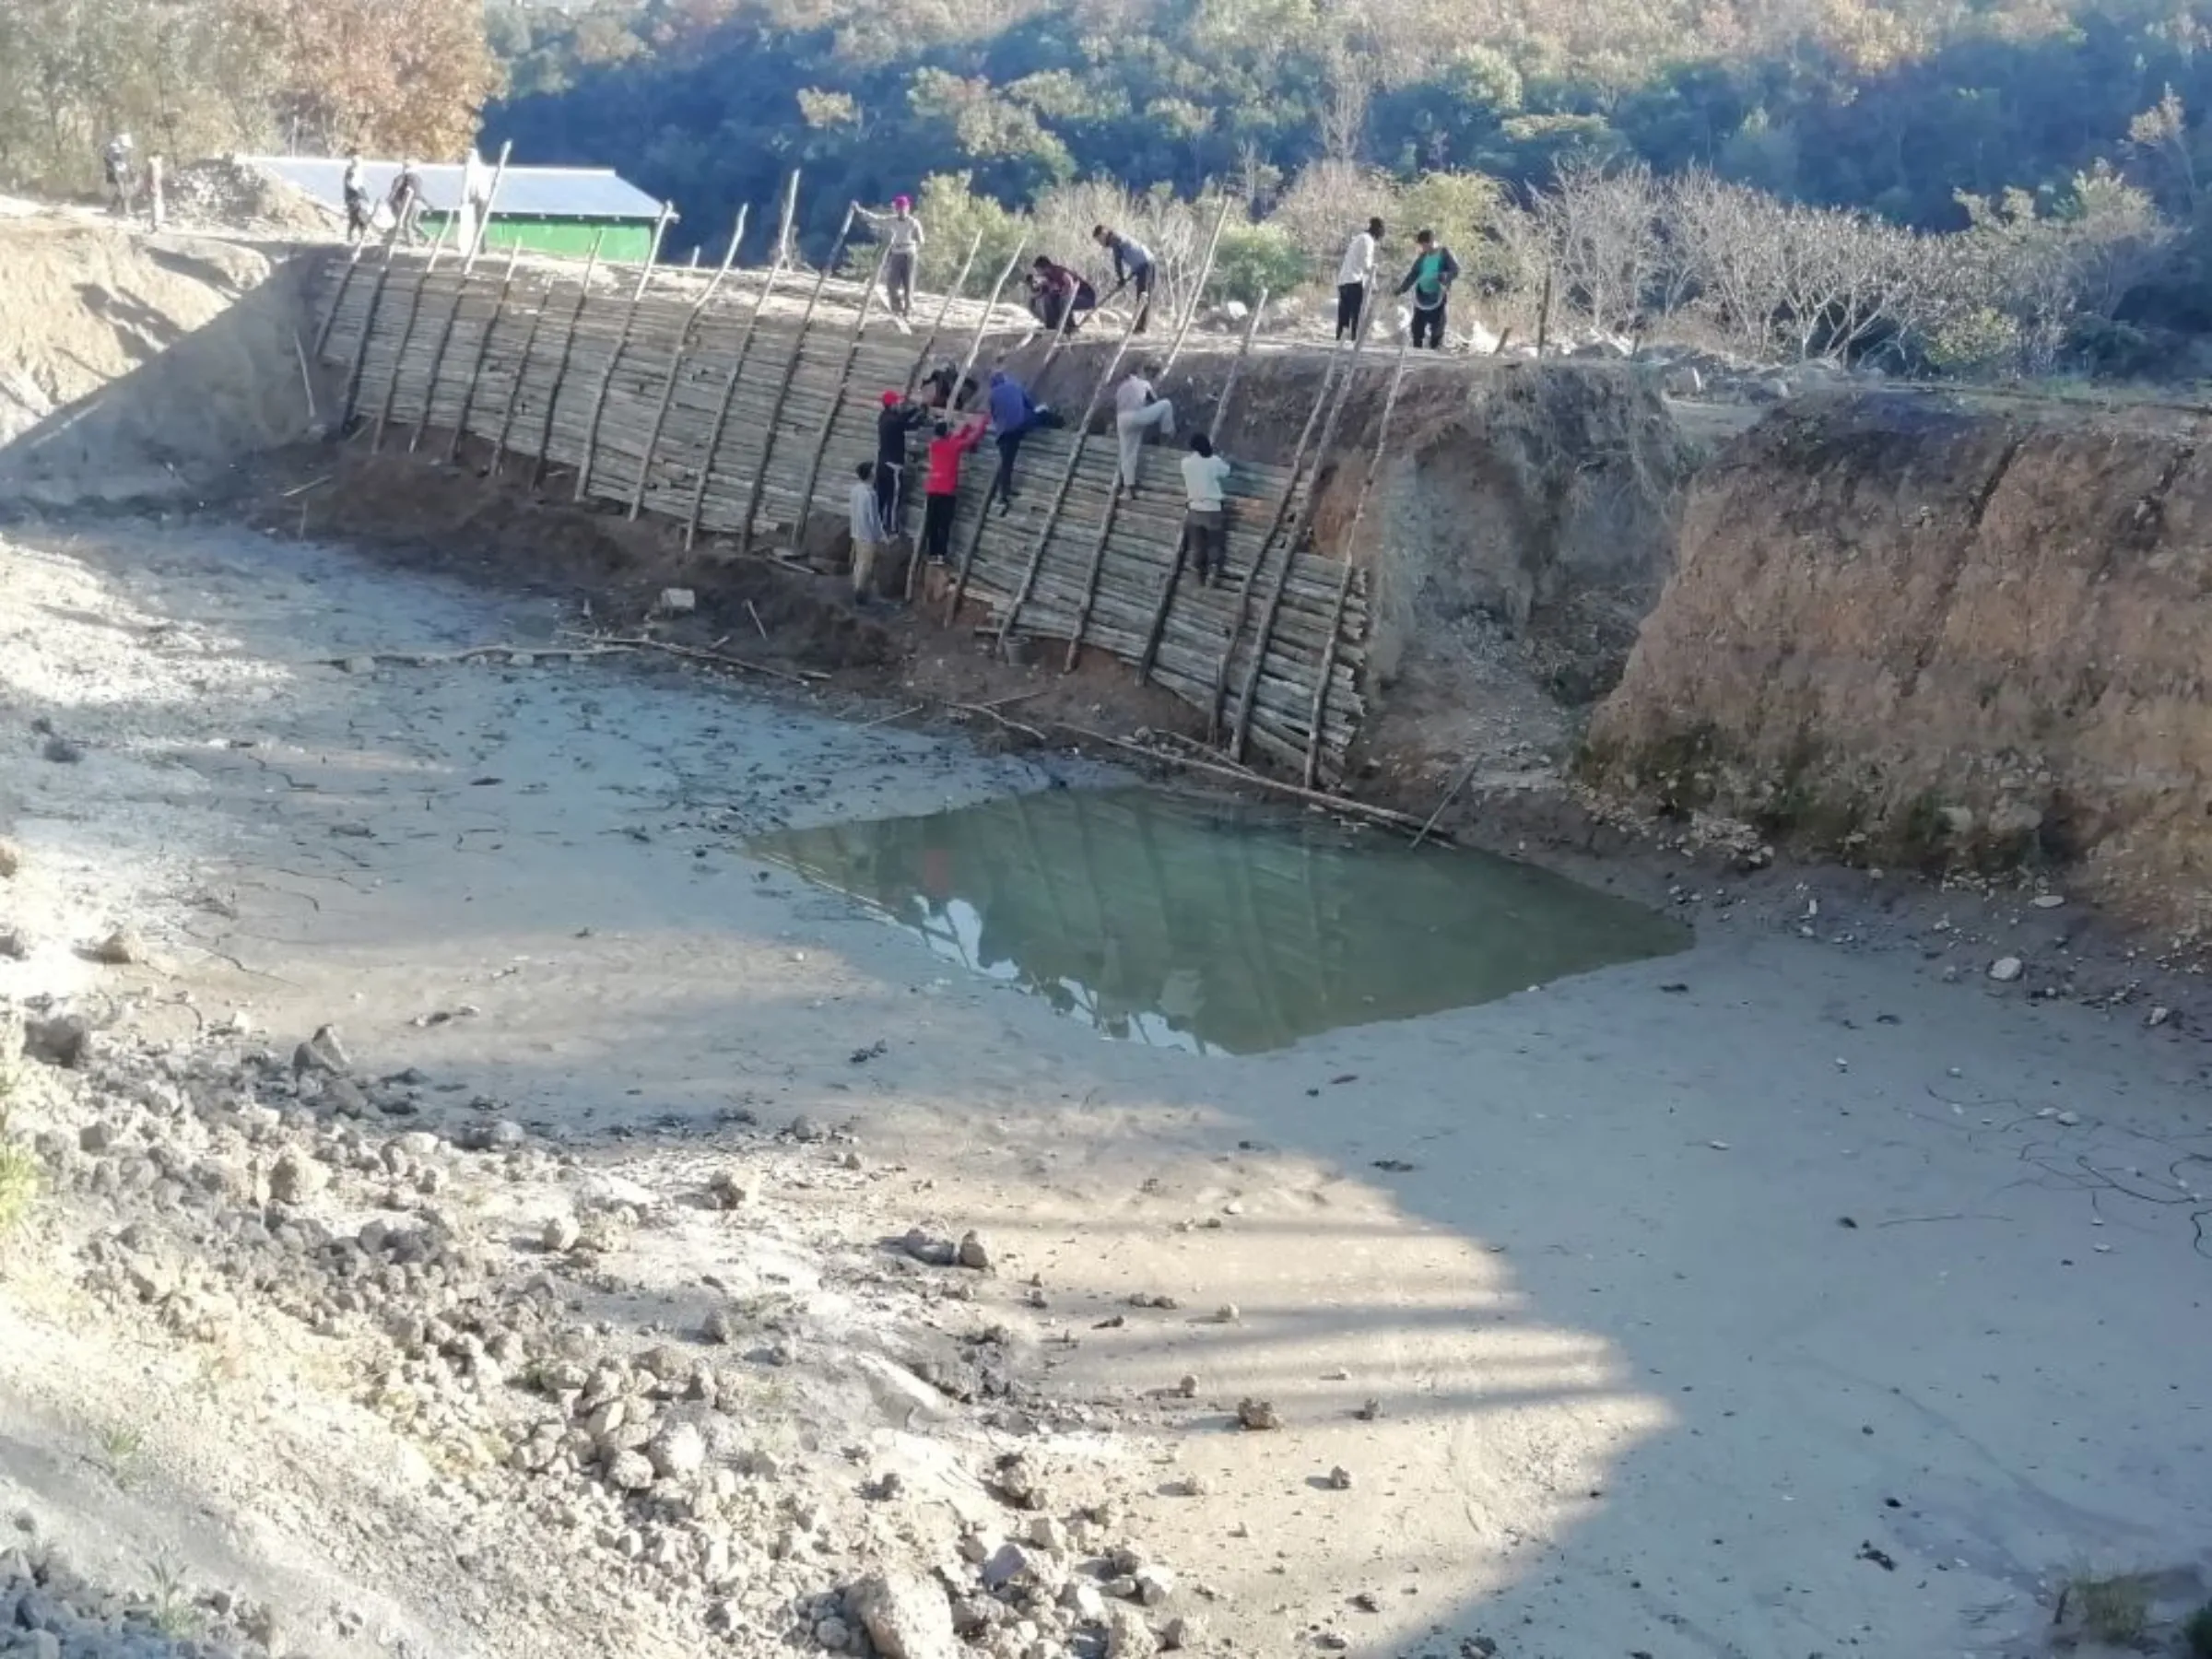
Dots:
{"x": 902, "y": 242}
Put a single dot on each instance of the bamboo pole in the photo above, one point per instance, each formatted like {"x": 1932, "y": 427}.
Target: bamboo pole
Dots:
{"x": 1150, "y": 654}
{"x": 1206, "y": 272}
{"x": 361, "y": 346}
{"x": 929, "y": 340}
{"x": 791, "y": 367}
{"x": 975, "y": 349}
{"x": 1299, "y": 533}
{"x": 614, "y": 358}
{"x": 476, "y": 368}
{"x": 1067, "y": 477}
{"x": 406, "y": 335}
{"x": 676, "y": 360}
{"x": 522, "y": 366}
{"x": 468, "y": 265}
{"x": 1113, "y": 501}
{"x": 745, "y": 347}
{"x": 836, "y": 402}
{"x": 1282, "y": 512}
{"x": 1237, "y": 774}
{"x": 338, "y": 299}
{"x": 1344, "y": 584}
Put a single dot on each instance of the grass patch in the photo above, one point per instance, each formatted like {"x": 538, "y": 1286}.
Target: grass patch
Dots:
{"x": 2115, "y": 1610}
{"x": 171, "y": 1609}
{"x": 18, "y": 1174}
{"x": 120, "y": 1445}
{"x": 2196, "y": 1633}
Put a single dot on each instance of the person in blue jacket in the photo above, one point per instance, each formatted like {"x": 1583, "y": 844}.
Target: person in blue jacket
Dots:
{"x": 1014, "y": 415}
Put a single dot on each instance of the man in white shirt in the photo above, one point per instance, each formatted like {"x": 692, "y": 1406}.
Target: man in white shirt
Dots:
{"x": 903, "y": 243}
{"x": 1354, "y": 277}
{"x": 1139, "y": 408}
{"x": 1206, "y": 521}
{"x": 868, "y": 532}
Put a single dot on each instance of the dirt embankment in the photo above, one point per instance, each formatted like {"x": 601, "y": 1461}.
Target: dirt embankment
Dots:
{"x": 1902, "y": 631}
{"x": 134, "y": 365}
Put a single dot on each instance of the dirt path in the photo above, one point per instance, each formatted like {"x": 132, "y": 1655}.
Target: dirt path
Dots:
{"x": 1769, "y": 1301}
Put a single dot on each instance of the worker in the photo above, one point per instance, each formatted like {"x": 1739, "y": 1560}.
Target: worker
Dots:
{"x": 476, "y": 201}
{"x": 1355, "y": 277}
{"x": 408, "y": 204}
{"x": 1205, "y": 519}
{"x": 868, "y": 532}
{"x": 894, "y": 421}
{"x": 1059, "y": 298}
{"x": 903, "y": 243}
{"x": 947, "y": 449}
{"x": 945, "y": 388}
{"x": 1139, "y": 408}
{"x": 1014, "y": 415}
{"x": 1430, "y": 279}
{"x": 1133, "y": 267}
{"x": 118, "y": 165}
{"x": 361, "y": 211}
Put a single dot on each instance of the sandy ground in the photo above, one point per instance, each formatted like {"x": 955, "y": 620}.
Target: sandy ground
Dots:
{"x": 1772, "y": 1300}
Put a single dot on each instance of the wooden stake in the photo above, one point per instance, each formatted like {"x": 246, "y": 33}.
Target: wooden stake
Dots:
{"x": 522, "y": 366}
{"x": 338, "y": 300}
{"x": 1290, "y": 549}
{"x": 1174, "y": 577}
{"x": 476, "y": 370}
{"x": 835, "y": 405}
{"x": 468, "y": 265}
{"x": 1068, "y": 478}
{"x": 614, "y": 358}
{"x": 675, "y": 359}
{"x": 361, "y": 346}
{"x": 929, "y": 341}
{"x": 1344, "y": 583}
{"x": 1113, "y": 500}
{"x": 745, "y": 349}
{"x": 406, "y": 337}
{"x": 1344, "y": 804}
{"x": 791, "y": 367}
{"x": 1215, "y": 702}
{"x": 975, "y": 349}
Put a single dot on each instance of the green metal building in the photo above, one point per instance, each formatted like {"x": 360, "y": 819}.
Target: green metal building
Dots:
{"x": 557, "y": 210}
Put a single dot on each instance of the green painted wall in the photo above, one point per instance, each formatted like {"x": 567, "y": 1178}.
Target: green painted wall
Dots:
{"x": 627, "y": 241}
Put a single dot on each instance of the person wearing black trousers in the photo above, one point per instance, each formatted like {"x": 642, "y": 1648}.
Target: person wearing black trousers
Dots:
{"x": 1355, "y": 278}
{"x": 893, "y": 422}
{"x": 1430, "y": 282}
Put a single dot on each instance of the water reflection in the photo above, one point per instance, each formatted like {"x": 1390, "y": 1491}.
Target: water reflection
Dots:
{"x": 1216, "y": 928}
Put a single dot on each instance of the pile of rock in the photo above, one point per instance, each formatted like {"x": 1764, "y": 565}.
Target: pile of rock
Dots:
{"x": 232, "y": 193}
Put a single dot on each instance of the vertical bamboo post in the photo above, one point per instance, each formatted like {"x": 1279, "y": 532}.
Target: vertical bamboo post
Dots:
{"x": 1068, "y": 480}
{"x": 1544, "y": 316}
{"x": 929, "y": 341}
{"x": 1299, "y": 531}
{"x": 1157, "y": 627}
{"x": 1113, "y": 497}
{"x": 837, "y": 399}
{"x": 791, "y": 370}
{"x": 476, "y": 366}
{"x": 338, "y": 299}
{"x": 452, "y": 316}
{"x": 157, "y": 199}
{"x": 522, "y": 366}
{"x": 361, "y": 346}
{"x": 975, "y": 349}
{"x": 614, "y": 356}
{"x": 745, "y": 349}
{"x": 406, "y": 337}
{"x": 1344, "y": 583}
{"x": 676, "y": 360}
{"x": 543, "y": 447}
{"x": 1215, "y": 702}
{"x": 1206, "y": 272}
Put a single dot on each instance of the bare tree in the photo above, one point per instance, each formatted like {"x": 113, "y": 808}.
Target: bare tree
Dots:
{"x": 1601, "y": 233}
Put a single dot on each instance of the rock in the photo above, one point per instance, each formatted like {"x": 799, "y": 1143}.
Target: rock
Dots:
{"x": 63, "y": 751}
{"x": 1340, "y": 1479}
{"x": 322, "y": 1052}
{"x": 96, "y": 1137}
{"x": 505, "y": 1135}
{"x": 973, "y": 1254}
{"x": 1015, "y": 1482}
{"x": 297, "y": 1177}
{"x": 677, "y": 602}
{"x": 359, "y": 665}
{"x": 2048, "y": 901}
{"x": 11, "y": 859}
{"x": 63, "y": 1040}
{"x": 1128, "y": 1636}
{"x": 1049, "y": 1534}
{"x": 560, "y": 1234}
{"x": 2067, "y": 1120}
{"x": 729, "y": 1190}
{"x": 2004, "y": 970}
{"x": 1086, "y": 1600}
{"x": 678, "y": 1452}
{"x": 629, "y": 1471}
{"x": 834, "y": 1633}
{"x": 1182, "y": 1634}
{"x": 1006, "y": 1565}
{"x": 723, "y": 1325}
{"x": 120, "y": 949}
{"x": 12, "y": 945}
{"x": 1258, "y": 1414}
{"x": 807, "y": 1131}
{"x": 905, "y": 1615}
{"x": 1154, "y": 1584}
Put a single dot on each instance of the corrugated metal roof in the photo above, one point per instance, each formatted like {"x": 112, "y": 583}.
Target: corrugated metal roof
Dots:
{"x": 594, "y": 193}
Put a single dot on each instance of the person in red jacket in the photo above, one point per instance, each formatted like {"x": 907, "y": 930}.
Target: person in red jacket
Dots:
{"x": 946, "y": 450}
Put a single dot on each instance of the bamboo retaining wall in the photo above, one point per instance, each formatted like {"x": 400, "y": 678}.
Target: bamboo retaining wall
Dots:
{"x": 719, "y": 410}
